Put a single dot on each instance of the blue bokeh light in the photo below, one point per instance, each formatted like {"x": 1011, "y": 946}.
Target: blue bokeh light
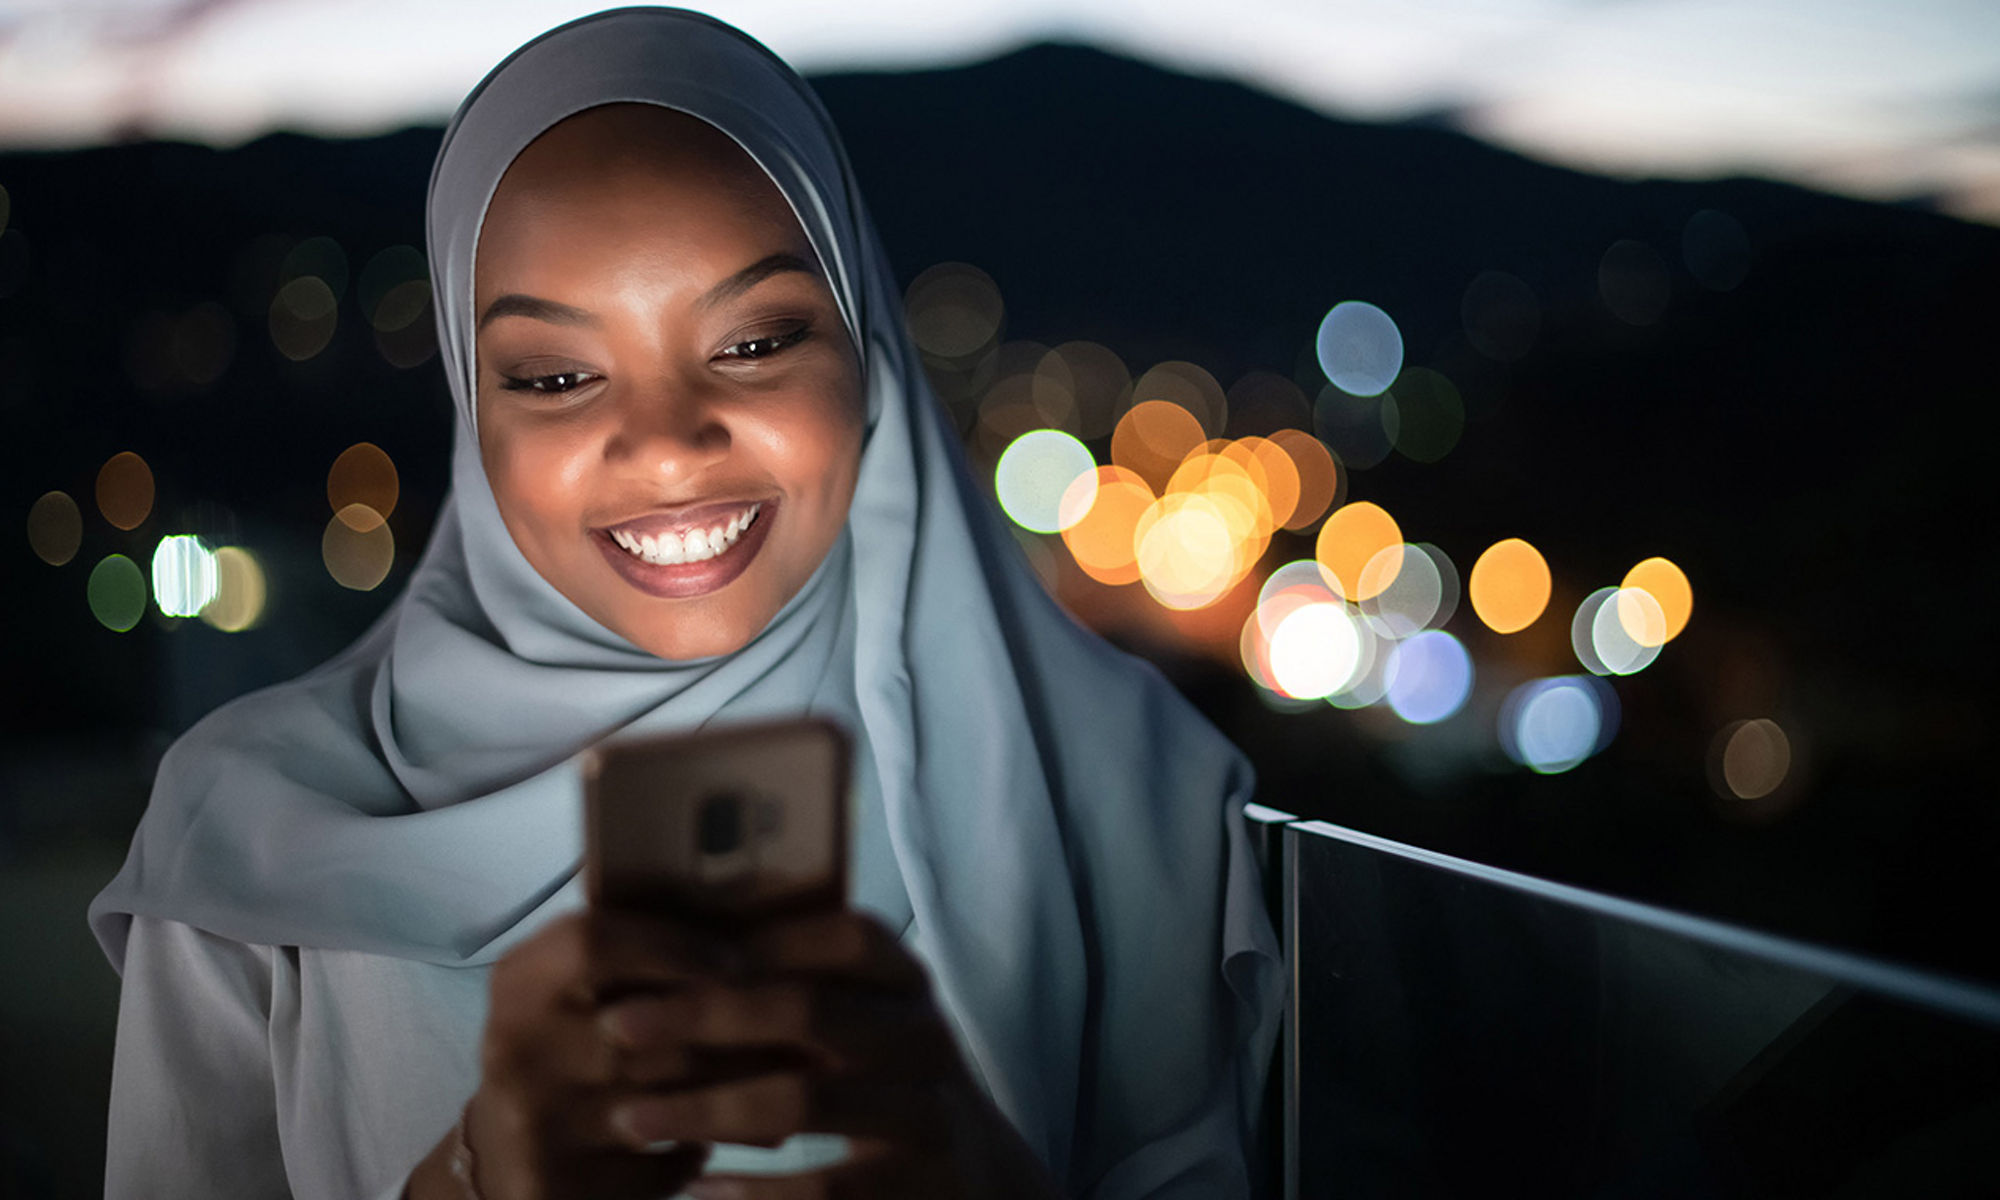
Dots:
{"x": 1428, "y": 676}
{"x": 1359, "y": 348}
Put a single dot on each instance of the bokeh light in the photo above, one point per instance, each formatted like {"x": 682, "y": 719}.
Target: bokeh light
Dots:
{"x": 303, "y": 317}
{"x": 125, "y": 490}
{"x": 1187, "y": 386}
{"x": 405, "y": 335}
{"x": 1632, "y": 278}
{"x": 389, "y": 269}
{"x": 1234, "y": 476}
{"x": 1034, "y": 480}
{"x": 953, "y": 310}
{"x": 184, "y": 575}
{"x": 1103, "y": 539}
{"x": 1351, "y": 539}
{"x": 319, "y": 258}
{"x": 1319, "y": 477}
{"x": 1668, "y": 585}
{"x": 1716, "y": 250}
{"x": 1288, "y": 588}
{"x": 117, "y": 592}
{"x": 1188, "y": 551}
{"x": 1369, "y": 685}
{"x": 1551, "y": 725}
{"x": 1430, "y": 415}
{"x": 1756, "y": 757}
{"x": 358, "y": 548}
{"x": 239, "y": 591}
{"x": 1314, "y": 651}
{"x": 1428, "y": 677}
{"x": 55, "y": 528}
{"x": 1359, "y": 348}
{"x": 1284, "y": 591}
{"x": 364, "y": 476}
{"x": 1277, "y": 476}
{"x": 1009, "y": 407}
{"x": 1100, "y": 387}
{"x": 1502, "y": 316}
{"x": 1509, "y": 586}
{"x": 1409, "y": 588}
{"x": 1153, "y": 438}
{"x": 1599, "y": 632}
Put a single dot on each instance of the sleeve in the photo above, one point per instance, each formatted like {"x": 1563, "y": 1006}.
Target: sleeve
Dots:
{"x": 1200, "y": 1077}
{"x": 193, "y": 1103}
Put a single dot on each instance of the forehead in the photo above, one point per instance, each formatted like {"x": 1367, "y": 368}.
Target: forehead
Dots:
{"x": 621, "y": 172}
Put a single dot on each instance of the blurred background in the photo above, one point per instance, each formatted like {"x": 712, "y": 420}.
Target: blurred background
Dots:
{"x": 1543, "y": 431}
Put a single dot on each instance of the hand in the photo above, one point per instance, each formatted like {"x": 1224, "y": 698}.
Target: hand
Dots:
{"x": 540, "y": 1122}
{"x": 872, "y": 1058}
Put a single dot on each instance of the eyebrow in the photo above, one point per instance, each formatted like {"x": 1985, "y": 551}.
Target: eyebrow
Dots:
{"x": 516, "y": 304}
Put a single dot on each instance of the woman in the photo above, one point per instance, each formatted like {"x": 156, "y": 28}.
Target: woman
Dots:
{"x": 355, "y": 957}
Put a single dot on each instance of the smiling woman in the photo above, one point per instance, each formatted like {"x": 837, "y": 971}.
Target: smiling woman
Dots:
{"x": 659, "y": 420}
{"x": 698, "y": 476}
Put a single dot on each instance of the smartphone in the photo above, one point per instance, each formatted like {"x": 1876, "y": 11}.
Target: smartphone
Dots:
{"x": 727, "y": 826}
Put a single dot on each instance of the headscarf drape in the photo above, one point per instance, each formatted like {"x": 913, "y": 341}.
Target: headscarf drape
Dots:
{"x": 1063, "y": 827}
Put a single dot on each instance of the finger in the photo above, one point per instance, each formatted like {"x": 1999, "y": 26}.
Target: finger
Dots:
{"x": 762, "y": 1110}
{"x": 840, "y": 1026}
{"x": 765, "y": 1110}
{"x": 623, "y": 952}
{"x": 557, "y": 1048}
{"x": 843, "y": 942}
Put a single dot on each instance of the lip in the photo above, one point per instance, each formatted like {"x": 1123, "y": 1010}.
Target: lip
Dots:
{"x": 680, "y": 581}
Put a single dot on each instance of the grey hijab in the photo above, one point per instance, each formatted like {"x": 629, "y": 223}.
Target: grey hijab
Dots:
{"x": 1061, "y": 828}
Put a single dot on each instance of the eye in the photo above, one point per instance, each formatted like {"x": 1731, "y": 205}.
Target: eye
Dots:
{"x": 767, "y": 345}
{"x": 547, "y": 385}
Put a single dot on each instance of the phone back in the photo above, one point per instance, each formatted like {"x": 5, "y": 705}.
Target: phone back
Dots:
{"x": 728, "y": 825}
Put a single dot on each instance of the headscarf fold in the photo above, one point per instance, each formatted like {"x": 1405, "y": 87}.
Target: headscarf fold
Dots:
{"x": 1061, "y": 827}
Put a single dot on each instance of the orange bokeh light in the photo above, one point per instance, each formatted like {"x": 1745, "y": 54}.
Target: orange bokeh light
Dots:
{"x": 1279, "y": 474}
{"x": 1102, "y": 541}
{"x": 1152, "y": 439}
{"x": 1352, "y": 537}
{"x": 1667, "y": 584}
{"x": 1319, "y": 481}
{"x": 1510, "y": 584}
{"x": 125, "y": 490}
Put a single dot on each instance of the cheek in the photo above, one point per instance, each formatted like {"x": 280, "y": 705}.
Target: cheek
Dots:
{"x": 537, "y": 480}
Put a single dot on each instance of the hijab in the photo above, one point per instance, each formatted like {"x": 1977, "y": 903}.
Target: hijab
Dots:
{"x": 1062, "y": 828}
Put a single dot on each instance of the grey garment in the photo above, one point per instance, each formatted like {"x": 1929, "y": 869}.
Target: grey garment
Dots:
{"x": 1064, "y": 828}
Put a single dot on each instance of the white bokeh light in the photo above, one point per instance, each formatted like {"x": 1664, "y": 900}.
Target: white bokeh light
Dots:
{"x": 1315, "y": 651}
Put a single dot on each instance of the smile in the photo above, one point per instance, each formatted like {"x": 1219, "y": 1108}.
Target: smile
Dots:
{"x": 692, "y": 546}
{"x": 688, "y": 553}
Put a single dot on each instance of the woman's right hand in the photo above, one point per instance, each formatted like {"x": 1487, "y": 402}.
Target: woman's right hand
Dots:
{"x": 539, "y": 1125}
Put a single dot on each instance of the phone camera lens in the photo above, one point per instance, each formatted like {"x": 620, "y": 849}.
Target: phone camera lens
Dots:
{"x": 720, "y": 830}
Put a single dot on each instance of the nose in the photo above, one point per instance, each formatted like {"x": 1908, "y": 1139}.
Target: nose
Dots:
{"x": 671, "y": 429}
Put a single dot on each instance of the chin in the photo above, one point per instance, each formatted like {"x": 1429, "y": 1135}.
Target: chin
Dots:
{"x": 691, "y": 637}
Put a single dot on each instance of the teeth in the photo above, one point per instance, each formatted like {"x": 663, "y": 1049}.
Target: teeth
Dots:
{"x": 696, "y": 545}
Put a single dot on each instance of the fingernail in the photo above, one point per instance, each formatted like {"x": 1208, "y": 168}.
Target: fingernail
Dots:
{"x": 613, "y": 1027}
{"x": 631, "y": 1124}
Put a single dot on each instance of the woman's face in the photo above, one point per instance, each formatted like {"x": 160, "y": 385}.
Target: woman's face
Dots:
{"x": 670, "y": 409}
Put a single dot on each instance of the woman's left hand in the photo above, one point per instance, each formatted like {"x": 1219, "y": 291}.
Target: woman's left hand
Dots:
{"x": 871, "y": 1057}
